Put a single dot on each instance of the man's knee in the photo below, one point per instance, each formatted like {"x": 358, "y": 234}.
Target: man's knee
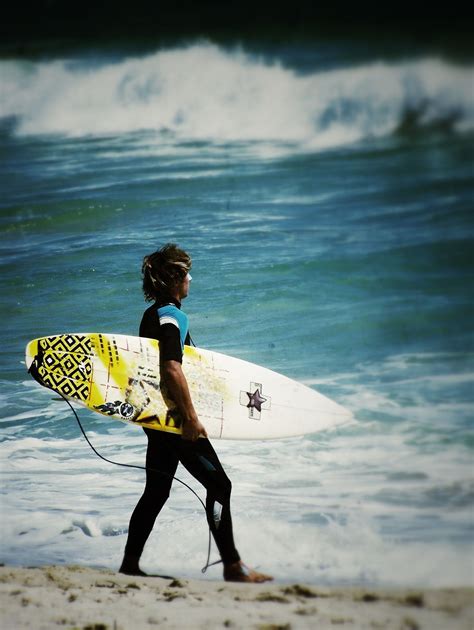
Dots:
{"x": 227, "y": 486}
{"x": 223, "y": 490}
{"x": 158, "y": 488}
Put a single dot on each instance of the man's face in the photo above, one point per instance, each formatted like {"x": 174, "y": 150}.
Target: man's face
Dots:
{"x": 184, "y": 287}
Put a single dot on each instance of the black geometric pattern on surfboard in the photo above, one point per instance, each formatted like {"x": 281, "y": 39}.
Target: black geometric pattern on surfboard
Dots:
{"x": 66, "y": 365}
{"x": 80, "y": 344}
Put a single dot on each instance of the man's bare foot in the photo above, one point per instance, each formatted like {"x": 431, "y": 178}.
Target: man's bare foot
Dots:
{"x": 239, "y": 572}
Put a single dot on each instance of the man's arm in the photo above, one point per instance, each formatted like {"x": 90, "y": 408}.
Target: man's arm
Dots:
{"x": 177, "y": 386}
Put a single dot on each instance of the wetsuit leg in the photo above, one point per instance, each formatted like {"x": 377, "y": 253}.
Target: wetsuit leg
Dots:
{"x": 164, "y": 452}
{"x": 159, "y": 457}
{"x": 200, "y": 459}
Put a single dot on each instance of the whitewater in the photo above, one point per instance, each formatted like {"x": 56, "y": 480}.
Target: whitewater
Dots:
{"x": 205, "y": 93}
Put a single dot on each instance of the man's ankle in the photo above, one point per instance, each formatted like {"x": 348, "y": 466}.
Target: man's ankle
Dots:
{"x": 130, "y": 565}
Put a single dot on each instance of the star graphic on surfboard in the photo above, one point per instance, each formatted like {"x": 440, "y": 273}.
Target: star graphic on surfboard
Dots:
{"x": 256, "y": 400}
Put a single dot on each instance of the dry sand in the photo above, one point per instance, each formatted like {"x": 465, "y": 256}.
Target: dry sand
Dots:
{"x": 95, "y": 599}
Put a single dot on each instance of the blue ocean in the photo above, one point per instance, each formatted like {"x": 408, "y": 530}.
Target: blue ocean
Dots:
{"x": 325, "y": 194}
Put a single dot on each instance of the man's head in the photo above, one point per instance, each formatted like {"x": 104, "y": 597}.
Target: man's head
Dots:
{"x": 165, "y": 273}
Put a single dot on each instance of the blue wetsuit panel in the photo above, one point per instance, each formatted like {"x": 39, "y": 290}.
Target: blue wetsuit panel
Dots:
{"x": 171, "y": 314}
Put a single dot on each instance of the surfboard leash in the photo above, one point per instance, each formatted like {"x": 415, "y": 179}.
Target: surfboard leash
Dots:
{"x": 136, "y": 466}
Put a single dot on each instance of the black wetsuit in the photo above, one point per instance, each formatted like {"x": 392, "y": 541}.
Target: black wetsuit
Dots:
{"x": 166, "y": 450}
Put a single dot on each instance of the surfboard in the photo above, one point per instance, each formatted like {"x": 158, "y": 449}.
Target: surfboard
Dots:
{"x": 118, "y": 376}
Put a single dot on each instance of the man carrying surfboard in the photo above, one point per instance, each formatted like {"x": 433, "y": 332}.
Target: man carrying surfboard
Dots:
{"x": 166, "y": 282}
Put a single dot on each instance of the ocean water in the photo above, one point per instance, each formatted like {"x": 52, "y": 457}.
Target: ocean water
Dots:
{"x": 326, "y": 199}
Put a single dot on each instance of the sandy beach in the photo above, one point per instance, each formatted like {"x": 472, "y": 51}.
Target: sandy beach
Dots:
{"x": 74, "y": 597}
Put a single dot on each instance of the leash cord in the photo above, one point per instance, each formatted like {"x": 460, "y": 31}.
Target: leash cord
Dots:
{"x": 110, "y": 461}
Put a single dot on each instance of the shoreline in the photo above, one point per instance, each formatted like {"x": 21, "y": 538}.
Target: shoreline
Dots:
{"x": 82, "y": 598}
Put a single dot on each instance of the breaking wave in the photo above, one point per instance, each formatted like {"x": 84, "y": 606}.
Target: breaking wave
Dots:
{"x": 203, "y": 92}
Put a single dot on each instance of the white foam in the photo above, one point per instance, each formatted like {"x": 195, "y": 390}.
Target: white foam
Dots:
{"x": 317, "y": 521}
{"x": 204, "y": 92}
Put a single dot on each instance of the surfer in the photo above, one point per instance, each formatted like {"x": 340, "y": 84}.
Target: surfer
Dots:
{"x": 166, "y": 282}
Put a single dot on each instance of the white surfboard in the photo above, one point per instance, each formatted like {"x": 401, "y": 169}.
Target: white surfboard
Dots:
{"x": 118, "y": 376}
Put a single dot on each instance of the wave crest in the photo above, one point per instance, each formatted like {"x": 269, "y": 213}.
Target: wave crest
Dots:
{"x": 203, "y": 92}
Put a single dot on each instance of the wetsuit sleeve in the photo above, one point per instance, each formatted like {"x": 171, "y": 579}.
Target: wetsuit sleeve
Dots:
{"x": 173, "y": 332}
{"x": 170, "y": 343}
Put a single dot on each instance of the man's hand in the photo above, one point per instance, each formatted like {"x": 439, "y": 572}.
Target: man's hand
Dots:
{"x": 192, "y": 429}
{"x": 175, "y": 382}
